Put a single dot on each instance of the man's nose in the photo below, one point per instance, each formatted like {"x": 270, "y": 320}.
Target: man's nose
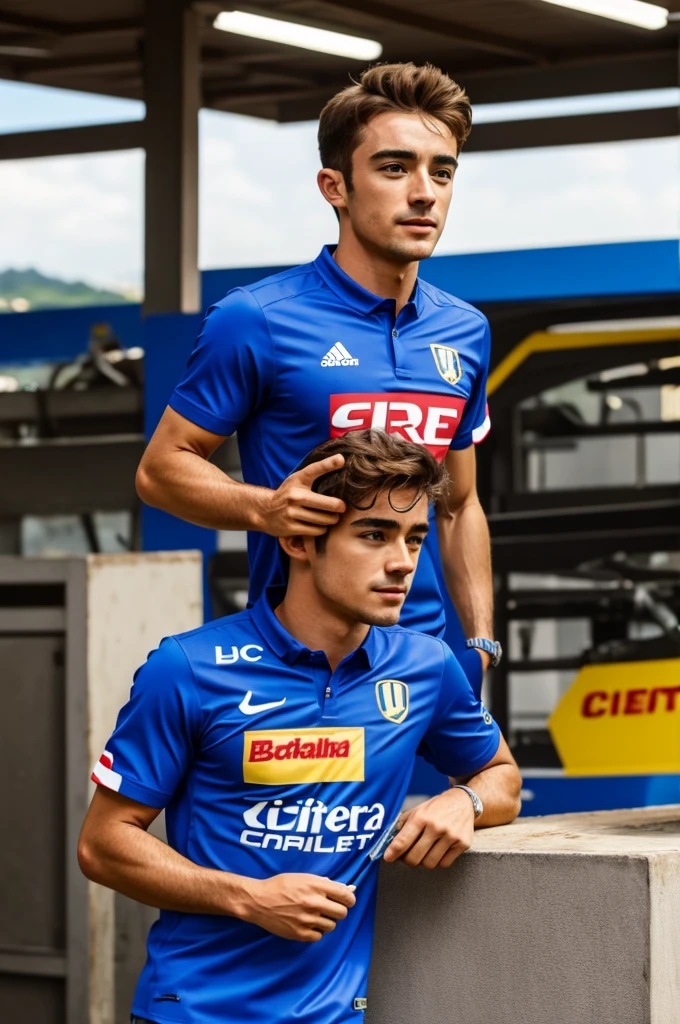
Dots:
{"x": 400, "y": 561}
{"x": 422, "y": 190}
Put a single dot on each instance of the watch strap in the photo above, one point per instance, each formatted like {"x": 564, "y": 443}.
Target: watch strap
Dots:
{"x": 476, "y": 801}
{"x": 491, "y": 647}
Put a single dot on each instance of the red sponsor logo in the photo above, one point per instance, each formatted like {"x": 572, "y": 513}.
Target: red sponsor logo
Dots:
{"x": 430, "y": 420}
{"x": 298, "y": 748}
{"x": 630, "y": 702}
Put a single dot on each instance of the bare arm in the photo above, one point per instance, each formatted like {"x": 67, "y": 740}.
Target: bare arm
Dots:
{"x": 437, "y": 831}
{"x": 465, "y": 547}
{"x": 498, "y": 785}
{"x": 174, "y": 475}
{"x": 116, "y": 850}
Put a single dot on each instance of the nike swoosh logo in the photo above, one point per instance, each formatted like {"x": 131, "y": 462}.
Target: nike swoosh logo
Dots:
{"x": 254, "y": 709}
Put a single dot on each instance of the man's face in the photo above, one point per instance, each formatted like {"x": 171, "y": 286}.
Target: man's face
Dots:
{"x": 402, "y": 181}
{"x": 366, "y": 568}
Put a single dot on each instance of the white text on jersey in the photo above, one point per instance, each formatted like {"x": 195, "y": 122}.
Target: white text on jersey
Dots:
{"x": 243, "y": 653}
{"x": 310, "y": 826}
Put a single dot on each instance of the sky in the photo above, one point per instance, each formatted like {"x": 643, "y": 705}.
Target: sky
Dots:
{"x": 80, "y": 217}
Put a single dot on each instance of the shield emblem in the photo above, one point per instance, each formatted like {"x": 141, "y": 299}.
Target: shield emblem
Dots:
{"x": 447, "y": 363}
{"x": 392, "y": 698}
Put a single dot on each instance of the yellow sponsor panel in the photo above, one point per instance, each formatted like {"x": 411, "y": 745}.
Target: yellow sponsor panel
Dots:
{"x": 279, "y": 756}
{"x": 620, "y": 719}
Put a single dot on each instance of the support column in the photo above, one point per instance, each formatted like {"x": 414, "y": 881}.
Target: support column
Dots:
{"x": 172, "y": 94}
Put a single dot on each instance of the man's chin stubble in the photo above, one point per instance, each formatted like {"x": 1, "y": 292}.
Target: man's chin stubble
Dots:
{"x": 386, "y": 618}
{"x": 411, "y": 252}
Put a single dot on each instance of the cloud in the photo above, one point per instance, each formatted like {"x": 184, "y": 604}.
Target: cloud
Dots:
{"x": 260, "y": 204}
{"x": 82, "y": 217}
{"x": 567, "y": 195}
{"x": 74, "y": 217}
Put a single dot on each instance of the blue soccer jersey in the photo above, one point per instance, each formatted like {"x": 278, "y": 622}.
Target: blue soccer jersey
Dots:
{"x": 309, "y": 354}
{"x": 265, "y": 763}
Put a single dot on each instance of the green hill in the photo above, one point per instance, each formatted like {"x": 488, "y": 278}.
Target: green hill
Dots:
{"x": 22, "y": 290}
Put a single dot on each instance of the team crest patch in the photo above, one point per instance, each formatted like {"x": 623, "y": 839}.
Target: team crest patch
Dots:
{"x": 392, "y": 698}
{"x": 447, "y": 362}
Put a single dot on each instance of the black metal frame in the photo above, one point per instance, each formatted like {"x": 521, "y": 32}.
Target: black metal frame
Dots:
{"x": 554, "y": 531}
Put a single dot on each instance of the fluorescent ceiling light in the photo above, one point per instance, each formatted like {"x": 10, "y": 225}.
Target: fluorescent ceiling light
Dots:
{"x": 633, "y": 12}
{"x": 293, "y": 34}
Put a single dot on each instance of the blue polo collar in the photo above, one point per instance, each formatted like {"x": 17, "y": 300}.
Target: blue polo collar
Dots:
{"x": 285, "y": 646}
{"x": 352, "y": 294}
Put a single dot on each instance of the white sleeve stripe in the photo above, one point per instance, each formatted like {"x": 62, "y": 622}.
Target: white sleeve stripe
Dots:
{"x": 106, "y": 776}
{"x": 479, "y": 433}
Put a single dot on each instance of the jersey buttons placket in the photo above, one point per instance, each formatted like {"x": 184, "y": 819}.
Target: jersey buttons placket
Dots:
{"x": 322, "y": 681}
{"x": 400, "y": 370}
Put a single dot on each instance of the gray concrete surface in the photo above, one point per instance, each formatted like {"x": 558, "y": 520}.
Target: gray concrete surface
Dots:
{"x": 569, "y": 919}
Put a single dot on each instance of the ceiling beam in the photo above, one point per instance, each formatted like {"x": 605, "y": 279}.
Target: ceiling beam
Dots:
{"x": 619, "y": 126}
{"x": 590, "y": 76}
{"x": 96, "y": 138}
{"x": 66, "y": 67}
{"x": 235, "y": 99}
{"x": 69, "y": 28}
{"x": 29, "y": 24}
{"x": 459, "y": 33}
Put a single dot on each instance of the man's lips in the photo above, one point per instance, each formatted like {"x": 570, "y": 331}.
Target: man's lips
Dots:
{"x": 392, "y": 591}
{"x": 419, "y": 222}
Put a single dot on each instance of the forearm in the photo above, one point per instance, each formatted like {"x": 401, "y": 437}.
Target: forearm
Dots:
{"x": 188, "y": 486}
{"x": 499, "y": 789}
{"x": 465, "y": 551}
{"x": 137, "y": 864}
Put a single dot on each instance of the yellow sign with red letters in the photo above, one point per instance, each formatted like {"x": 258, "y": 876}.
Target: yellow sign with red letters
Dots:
{"x": 620, "y": 719}
{"x": 277, "y": 756}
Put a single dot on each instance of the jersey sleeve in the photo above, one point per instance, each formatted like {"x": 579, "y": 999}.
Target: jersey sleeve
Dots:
{"x": 231, "y": 367}
{"x": 462, "y": 736}
{"x": 475, "y": 423}
{"x": 152, "y": 746}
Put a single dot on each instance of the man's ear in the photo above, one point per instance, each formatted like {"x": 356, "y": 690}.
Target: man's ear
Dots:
{"x": 332, "y": 187}
{"x": 295, "y": 547}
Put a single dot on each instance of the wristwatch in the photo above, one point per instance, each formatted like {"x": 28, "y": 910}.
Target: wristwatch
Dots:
{"x": 492, "y": 648}
{"x": 476, "y": 802}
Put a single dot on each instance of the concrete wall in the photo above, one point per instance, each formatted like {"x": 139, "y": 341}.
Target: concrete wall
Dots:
{"x": 132, "y": 602}
{"x": 571, "y": 919}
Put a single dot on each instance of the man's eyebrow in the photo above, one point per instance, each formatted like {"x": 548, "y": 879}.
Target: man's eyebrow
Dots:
{"x": 387, "y": 524}
{"x": 408, "y": 154}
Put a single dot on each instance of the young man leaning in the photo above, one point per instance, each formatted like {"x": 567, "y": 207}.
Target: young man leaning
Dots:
{"x": 280, "y": 741}
{"x": 352, "y": 340}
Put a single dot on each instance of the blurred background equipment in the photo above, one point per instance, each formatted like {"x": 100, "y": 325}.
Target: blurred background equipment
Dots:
{"x": 69, "y": 448}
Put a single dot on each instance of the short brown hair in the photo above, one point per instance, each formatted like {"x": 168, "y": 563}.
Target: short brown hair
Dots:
{"x": 376, "y": 461}
{"x": 422, "y": 89}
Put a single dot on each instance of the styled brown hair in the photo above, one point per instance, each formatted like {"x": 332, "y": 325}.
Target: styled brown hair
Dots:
{"x": 376, "y": 461}
{"x": 421, "y": 89}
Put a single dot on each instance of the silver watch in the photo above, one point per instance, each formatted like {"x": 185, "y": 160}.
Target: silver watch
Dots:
{"x": 476, "y": 802}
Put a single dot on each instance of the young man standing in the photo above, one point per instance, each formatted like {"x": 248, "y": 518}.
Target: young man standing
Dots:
{"x": 280, "y": 741}
{"x": 352, "y": 340}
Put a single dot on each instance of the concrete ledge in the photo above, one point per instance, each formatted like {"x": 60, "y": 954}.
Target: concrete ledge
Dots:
{"x": 568, "y": 919}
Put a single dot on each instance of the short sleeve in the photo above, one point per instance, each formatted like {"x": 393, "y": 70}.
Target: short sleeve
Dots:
{"x": 462, "y": 736}
{"x": 231, "y": 367}
{"x": 475, "y": 423}
{"x": 152, "y": 746}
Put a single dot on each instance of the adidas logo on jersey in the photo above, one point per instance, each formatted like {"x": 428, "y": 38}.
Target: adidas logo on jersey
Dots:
{"x": 338, "y": 356}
